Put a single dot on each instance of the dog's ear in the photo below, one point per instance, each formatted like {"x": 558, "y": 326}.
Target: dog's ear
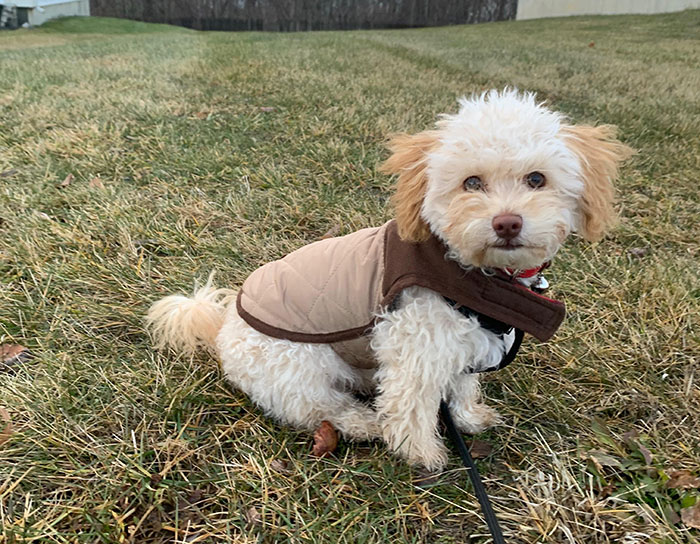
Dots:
{"x": 409, "y": 154}
{"x": 600, "y": 153}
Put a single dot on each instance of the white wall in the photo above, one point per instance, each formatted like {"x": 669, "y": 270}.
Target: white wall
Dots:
{"x": 40, "y": 11}
{"x": 535, "y": 9}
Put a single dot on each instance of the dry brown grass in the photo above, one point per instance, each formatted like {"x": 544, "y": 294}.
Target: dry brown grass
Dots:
{"x": 114, "y": 443}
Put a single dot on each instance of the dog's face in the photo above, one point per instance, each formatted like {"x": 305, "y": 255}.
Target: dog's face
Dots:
{"x": 504, "y": 181}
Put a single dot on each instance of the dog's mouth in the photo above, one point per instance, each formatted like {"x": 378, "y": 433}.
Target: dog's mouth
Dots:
{"x": 512, "y": 254}
{"x": 507, "y": 246}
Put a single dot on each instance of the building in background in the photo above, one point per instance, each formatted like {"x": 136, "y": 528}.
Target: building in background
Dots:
{"x": 537, "y": 9}
{"x": 36, "y": 12}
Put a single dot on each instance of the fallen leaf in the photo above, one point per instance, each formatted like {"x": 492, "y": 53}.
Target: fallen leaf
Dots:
{"x": 325, "y": 440}
{"x": 201, "y": 114}
{"x": 592, "y": 44}
{"x": 9, "y": 351}
{"x": 153, "y": 522}
{"x": 630, "y": 439}
{"x": 8, "y": 173}
{"x": 253, "y": 516}
{"x": 648, "y": 457}
{"x": 332, "y": 232}
{"x": 480, "y": 449}
{"x": 683, "y": 479}
{"x": 638, "y": 252}
{"x": 691, "y": 516}
{"x": 67, "y": 181}
{"x": 602, "y": 459}
{"x": 187, "y": 509}
{"x": 607, "y": 490}
{"x": 279, "y": 465}
{"x": 156, "y": 478}
{"x": 195, "y": 496}
{"x": 671, "y": 515}
{"x": 96, "y": 183}
{"x": 6, "y": 431}
{"x": 629, "y": 436}
{"x": 12, "y": 354}
{"x": 425, "y": 477}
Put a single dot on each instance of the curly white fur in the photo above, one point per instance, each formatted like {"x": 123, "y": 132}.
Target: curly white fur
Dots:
{"x": 423, "y": 359}
{"x": 187, "y": 324}
{"x": 426, "y": 350}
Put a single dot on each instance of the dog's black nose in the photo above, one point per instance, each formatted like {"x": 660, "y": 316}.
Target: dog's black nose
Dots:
{"x": 507, "y": 226}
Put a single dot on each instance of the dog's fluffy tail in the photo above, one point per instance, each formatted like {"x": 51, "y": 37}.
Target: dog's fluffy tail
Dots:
{"x": 189, "y": 323}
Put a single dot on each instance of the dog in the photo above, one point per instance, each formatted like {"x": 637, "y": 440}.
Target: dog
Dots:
{"x": 492, "y": 190}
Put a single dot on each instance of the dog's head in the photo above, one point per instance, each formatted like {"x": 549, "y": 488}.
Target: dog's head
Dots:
{"x": 505, "y": 180}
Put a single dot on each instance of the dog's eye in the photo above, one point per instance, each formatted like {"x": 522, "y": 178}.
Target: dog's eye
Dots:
{"x": 473, "y": 183}
{"x": 535, "y": 180}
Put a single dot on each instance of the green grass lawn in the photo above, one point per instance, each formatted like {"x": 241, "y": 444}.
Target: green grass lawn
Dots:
{"x": 223, "y": 151}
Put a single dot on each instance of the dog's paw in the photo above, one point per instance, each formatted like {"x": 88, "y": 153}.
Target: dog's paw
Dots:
{"x": 431, "y": 456}
{"x": 476, "y": 418}
{"x": 357, "y": 423}
{"x": 365, "y": 430}
{"x": 428, "y": 452}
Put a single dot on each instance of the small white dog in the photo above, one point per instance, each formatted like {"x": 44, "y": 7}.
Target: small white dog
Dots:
{"x": 496, "y": 187}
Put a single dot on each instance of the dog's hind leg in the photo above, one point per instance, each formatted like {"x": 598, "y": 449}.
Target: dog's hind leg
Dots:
{"x": 299, "y": 384}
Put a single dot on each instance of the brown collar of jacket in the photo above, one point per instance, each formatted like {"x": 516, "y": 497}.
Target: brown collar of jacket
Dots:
{"x": 293, "y": 298}
{"x": 504, "y": 299}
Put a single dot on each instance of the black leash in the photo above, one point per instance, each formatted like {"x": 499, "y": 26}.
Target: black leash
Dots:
{"x": 468, "y": 462}
{"x": 501, "y": 329}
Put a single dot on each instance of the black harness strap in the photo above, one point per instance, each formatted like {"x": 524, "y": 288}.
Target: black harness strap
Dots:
{"x": 512, "y": 352}
{"x": 496, "y": 327}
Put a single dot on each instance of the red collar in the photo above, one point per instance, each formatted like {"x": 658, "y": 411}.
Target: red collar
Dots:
{"x": 530, "y": 272}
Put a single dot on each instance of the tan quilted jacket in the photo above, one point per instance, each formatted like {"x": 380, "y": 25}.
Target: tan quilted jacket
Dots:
{"x": 331, "y": 291}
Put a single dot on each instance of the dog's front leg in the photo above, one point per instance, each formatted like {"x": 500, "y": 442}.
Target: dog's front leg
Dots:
{"x": 418, "y": 358}
{"x": 471, "y": 415}
{"x": 407, "y": 406}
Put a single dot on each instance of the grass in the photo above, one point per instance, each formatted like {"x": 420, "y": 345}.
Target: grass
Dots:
{"x": 223, "y": 151}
